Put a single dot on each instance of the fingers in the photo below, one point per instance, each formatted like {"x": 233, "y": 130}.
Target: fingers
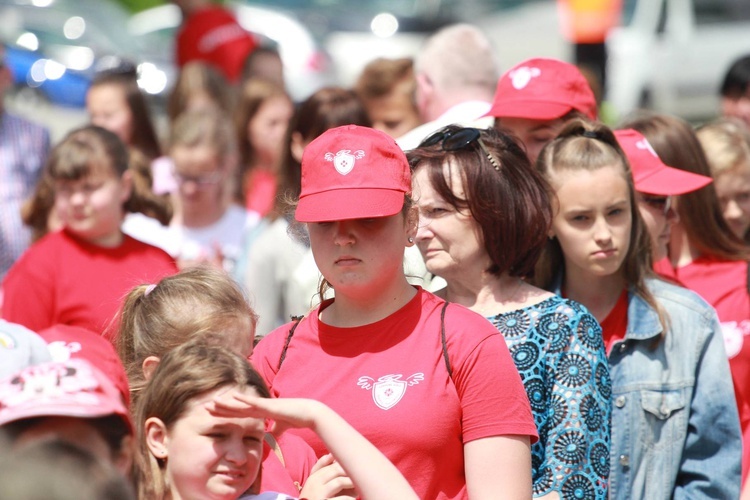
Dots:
{"x": 327, "y": 481}
{"x": 322, "y": 462}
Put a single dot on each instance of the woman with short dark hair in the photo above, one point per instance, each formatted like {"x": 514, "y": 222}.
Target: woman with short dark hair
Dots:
{"x": 485, "y": 215}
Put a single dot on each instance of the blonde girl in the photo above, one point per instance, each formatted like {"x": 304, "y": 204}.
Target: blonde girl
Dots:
{"x": 727, "y": 145}
{"x": 204, "y": 303}
{"x": 675, "y": 430}
{"x": 202, "y": 420}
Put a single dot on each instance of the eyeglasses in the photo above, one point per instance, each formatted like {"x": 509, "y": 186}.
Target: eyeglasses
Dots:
{"x": 201, "y": 181}
{"x": 450, "y": 140}
{"x": 660, "y": 203}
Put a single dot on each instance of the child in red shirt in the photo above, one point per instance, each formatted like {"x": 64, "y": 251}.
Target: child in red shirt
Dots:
{"x": 77, "y": 276}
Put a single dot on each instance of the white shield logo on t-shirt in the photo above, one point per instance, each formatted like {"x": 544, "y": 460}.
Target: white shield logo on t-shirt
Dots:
{"x": 386, "y": 393}
{"x": 389, "y": 389}
{"x": 734, "y": 336}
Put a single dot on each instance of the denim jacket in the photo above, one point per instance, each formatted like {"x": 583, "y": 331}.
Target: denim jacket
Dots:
{"x": 675, "y": 428}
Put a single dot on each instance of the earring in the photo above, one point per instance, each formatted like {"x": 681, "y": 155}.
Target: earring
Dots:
{"x": 411, "y": 240}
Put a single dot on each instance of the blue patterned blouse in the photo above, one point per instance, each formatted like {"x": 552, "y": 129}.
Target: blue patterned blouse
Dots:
{"x": 558, "y": 349}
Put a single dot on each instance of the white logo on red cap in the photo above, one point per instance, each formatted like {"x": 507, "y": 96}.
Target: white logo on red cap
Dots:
{"x": 50, "y": 381}
{"x": 520, "y": 77}
{"x": 344, "y": 160}
{"x": 61, "y": 351}
{"x": 644, "y": 144}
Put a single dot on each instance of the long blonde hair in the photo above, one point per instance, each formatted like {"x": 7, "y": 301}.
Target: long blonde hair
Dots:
{"x": 583, "y": 145}
{"x": 200, "y": 302}
{"x": 184, "y": 374}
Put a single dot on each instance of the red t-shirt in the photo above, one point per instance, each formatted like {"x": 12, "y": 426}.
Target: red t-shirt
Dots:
{"x": 260, "y": 193}
{"x": 64, "y": 280}
{"x": 214, "y": 36}
{"x": 615, "y": 325}
{"x": 288, "y": 477}
{"x": 723, "y": 284}
{"x": 389, "y": 380}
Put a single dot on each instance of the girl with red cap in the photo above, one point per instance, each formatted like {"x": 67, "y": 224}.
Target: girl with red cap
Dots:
{"x": 704, "y": 254}
{"x": 535, "y": 98}
{"x": 432, "y": 385}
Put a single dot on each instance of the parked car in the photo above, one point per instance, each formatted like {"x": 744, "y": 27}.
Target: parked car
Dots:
{"x": 56, "y": 47}
{"x": 306, "y": 66}
{"x": 671, "y": 55}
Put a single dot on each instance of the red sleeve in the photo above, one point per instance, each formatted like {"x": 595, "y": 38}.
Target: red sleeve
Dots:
{"x": 266, "y": 355}
{"x": 493, "y": 399}
{"x": 298, "y": 455}
{"x": 28, "y": 290}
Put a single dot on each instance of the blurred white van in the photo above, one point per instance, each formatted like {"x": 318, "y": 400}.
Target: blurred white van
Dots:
{"x": 671, "y": 55}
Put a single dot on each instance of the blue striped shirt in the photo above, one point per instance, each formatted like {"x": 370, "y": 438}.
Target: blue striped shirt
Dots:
{"x": 23, "y": 150}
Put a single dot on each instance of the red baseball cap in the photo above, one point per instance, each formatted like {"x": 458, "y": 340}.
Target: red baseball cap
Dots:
{"x": 352, "y": 172}
{"x": 542, "y": 89}
{"x": 70, "y": 389}
{"x": 73, "y": 342}
{"x": 650, "y": 174}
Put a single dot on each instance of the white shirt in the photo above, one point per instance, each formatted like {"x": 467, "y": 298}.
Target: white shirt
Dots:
{"x": 189, "y": 243}
{"x": 466, "y": 114}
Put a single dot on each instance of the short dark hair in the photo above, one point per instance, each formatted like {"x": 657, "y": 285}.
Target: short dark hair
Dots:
{"x": 511, "y": 204}
{"x": 737, "y": 79}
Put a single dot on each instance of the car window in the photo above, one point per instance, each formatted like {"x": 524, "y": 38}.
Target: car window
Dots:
{"x": 628, "y": 9}
{"x": 721, "y": 11}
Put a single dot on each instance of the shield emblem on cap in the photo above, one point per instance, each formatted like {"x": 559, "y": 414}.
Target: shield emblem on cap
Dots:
{"x": 520, "y": 77}
{"x": 344, "y": 160}
{"x": 388, "y": 391}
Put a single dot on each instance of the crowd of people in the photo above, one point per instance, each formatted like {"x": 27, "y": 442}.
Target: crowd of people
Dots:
{"x": 445, "y": 282}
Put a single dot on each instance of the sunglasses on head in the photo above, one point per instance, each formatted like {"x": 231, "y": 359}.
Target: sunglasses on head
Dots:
{"x": 454, "y": 140}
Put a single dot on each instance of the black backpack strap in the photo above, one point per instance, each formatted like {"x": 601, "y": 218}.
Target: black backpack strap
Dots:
{"x": 442, "y": 340}
{"x": 297, "y": 320}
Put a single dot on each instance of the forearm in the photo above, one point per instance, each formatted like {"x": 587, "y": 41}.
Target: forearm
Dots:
{"x": 374, "y": 476}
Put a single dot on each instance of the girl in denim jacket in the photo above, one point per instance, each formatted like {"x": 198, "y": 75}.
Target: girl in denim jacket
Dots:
{"x": 675, "y": 430}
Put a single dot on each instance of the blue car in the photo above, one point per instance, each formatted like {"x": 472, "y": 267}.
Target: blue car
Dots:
{"x": 56, "y": 47}
{"x": 28, "y": 68}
